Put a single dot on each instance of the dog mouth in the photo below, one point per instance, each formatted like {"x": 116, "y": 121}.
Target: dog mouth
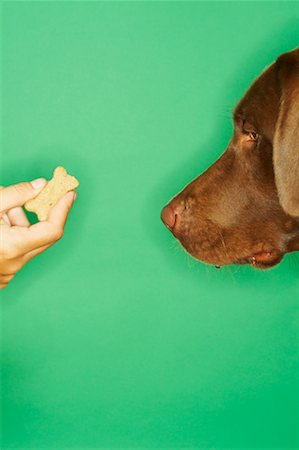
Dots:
{"x": 263, "y": 256}
{"x": 262, "y": 260}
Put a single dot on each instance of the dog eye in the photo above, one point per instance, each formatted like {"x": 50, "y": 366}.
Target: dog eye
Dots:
{"x": 249, "y": 131}
{"x": 252, "y": 135}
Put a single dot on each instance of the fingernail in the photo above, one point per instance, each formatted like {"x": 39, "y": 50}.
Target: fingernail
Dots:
{"x": 38, "y": 183}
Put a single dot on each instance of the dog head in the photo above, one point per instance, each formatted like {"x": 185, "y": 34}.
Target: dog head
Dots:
{"x": 245, "y": 207}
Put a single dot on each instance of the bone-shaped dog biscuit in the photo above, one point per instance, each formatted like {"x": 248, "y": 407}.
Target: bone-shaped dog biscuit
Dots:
{"x": 54, "y": 190}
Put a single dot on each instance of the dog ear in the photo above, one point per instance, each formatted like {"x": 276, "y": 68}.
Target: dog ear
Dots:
{"x": 286, "y": 137}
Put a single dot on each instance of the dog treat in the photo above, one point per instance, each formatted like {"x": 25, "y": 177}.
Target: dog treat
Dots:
{"x": 55, "y": 189}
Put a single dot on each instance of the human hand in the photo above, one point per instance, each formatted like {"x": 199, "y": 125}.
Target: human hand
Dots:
{"x": 20, "y": 241}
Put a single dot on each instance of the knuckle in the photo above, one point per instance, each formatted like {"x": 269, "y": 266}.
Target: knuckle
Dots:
{"x": 58, "y": 233}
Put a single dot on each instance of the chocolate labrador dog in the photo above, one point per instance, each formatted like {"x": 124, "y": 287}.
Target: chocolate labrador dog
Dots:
{"x": 245, "y": 207}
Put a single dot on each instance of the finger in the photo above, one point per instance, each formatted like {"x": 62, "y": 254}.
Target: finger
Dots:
{"x": 26, "y": 239}
{"x": 18, "y": 194}
{"x": 18, "y": 217}
{"x": 35, "y": 252}
{"x": 43, "y": 233}
{"x": 59, "y": 213}
{"x": 6, "y": 278}
{"x": 4, "y": 220}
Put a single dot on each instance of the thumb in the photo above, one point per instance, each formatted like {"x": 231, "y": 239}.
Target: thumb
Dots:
{"x": 18, "y": 194}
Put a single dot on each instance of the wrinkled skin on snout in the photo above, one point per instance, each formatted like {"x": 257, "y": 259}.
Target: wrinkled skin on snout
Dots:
{"x": 232, "y": 214}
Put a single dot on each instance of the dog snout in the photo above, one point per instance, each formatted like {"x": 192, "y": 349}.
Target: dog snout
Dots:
{"x": 168, "y": 216}
{"x": 172, "y": 213}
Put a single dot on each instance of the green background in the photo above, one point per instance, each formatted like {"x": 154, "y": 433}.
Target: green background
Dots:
{"x": 115, "y": 337}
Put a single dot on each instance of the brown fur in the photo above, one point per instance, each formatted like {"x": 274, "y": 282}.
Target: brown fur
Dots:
{"x": 245, "y": 207}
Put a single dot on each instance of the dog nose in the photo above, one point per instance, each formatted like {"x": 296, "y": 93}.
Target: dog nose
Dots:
{"x": 168, "y": 216}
